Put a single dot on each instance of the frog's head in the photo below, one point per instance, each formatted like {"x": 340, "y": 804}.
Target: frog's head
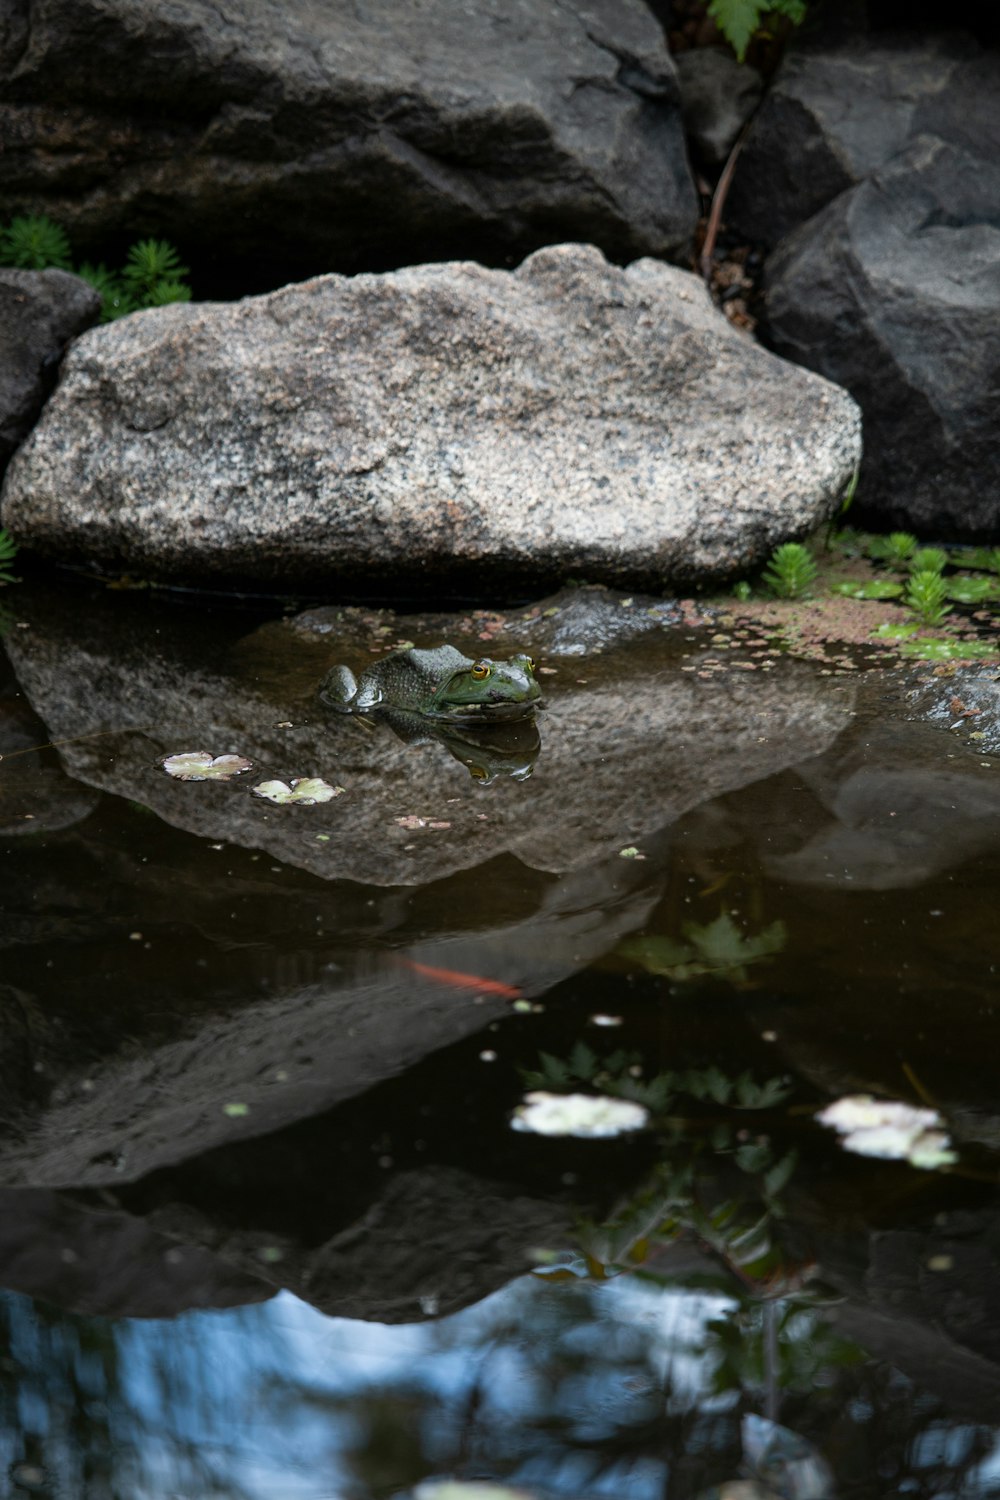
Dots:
{"x": 499, "y": 688}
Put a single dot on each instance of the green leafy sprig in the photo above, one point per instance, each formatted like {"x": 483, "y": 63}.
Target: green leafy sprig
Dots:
{"x": 151, "y": 277}
{"x": 8, "y": 551}
{"x": 741, "y": 20}
{"x": 791, "y": 572}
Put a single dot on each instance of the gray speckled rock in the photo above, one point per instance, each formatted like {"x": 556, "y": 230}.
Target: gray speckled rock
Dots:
{"x": 40, "y": 311}
{"x": 286, "y": 137}
{"x": 441, "y": 421}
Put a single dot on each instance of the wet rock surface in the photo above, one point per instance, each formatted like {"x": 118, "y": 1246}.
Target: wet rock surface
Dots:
{"x": 360, "y": 996}
{"x": 40, "y": 311}
{"x": 431, "y": 424}
{"x": 636, "y": 744}
{"x": 370, "y": 134}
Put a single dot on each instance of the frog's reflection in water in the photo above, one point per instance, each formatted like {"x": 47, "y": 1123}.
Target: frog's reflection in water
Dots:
{"x": 500, "y": 748}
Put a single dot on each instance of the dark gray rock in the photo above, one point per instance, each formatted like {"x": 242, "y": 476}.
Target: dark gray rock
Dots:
{"x": 287, "y": 138}
{"x": 40, "y": 311}
{"x": 718, "y": 96}
{"x": 105, "y": 1263}
{"x": 835, "y": 113}
{"x": 894, "y": 292}
{"x": 440, "y": 422}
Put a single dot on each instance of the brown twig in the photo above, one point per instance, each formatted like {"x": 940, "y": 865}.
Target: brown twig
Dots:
{"x": 718, "y": 203}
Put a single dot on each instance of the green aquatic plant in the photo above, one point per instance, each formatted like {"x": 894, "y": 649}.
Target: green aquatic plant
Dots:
{"x": 896, "y": 549}
{"x": 987, "y": 558}
{"x": 154, "y": 275}
{"x": 791, "y": 572}
{"x": 925, "y": 595}
{"x": 31, "y": 242}
{"x": 928, "y": 560}
{"x": 115, "y": 300}
{"x": 972, "y": 588}
{"x": 151, "y": 277}
{"x": 8, "y": 552}
{"x": 741, "y": 20}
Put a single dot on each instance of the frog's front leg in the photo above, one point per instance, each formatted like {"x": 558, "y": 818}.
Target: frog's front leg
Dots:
{"x": 340, "y": 689}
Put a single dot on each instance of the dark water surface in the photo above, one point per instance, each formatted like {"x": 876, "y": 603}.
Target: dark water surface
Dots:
{"x": 265, "y": 1228}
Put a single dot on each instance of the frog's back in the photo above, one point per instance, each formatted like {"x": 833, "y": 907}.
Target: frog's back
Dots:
{"x": 409, "y": 679}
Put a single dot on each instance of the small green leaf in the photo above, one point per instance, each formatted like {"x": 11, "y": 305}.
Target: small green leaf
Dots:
{"x": 737, "y": 20}
{"x": 971, "y": 588}
{"x": 236, "y": 1111}
{"x": 876, "y": 588}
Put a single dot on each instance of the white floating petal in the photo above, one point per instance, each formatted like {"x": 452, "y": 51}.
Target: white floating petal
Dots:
{"x": 889, "y": 1129}
{"x": 199, "y": 765}
{"x": 587, "y": 1115}
{"x": 304, "y": 789}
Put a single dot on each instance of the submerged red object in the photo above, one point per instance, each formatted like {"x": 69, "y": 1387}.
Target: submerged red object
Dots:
{"x": 461, "y": 981}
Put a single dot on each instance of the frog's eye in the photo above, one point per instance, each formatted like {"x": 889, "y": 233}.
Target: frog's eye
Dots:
{"x": 529, "y": 662}
{"x": 480, "y": 671}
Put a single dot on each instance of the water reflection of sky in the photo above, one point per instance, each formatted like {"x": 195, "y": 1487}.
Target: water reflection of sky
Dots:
{"x": 277, "y": 1399}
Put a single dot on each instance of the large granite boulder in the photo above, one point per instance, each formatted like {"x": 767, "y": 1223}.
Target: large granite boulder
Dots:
{"x": 440, "y": 422}
{"x": 893, "y": 290}
{"x": 40, "y": 311}
{"x": 288, "y": 138}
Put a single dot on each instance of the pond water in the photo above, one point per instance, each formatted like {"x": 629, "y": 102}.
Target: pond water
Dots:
{"x": 265, "y": 1227}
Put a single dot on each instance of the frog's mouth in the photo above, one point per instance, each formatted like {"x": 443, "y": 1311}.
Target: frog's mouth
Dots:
{"x": 500, "y": 708}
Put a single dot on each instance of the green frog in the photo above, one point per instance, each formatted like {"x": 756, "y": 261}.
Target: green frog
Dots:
{"x": 440, "y": 683}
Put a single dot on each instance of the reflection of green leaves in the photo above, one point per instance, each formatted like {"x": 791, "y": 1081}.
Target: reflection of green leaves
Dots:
{"x": 718, "y": 947}
{"x": 741, "y": 1092}
{"x": 8, "y": 552}
{"x": 619, "y": 1075}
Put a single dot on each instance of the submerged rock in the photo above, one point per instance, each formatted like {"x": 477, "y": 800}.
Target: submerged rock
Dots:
{"x": 287, "y": 138}
{"x": 40, "y": 311}
{"x": 629, "y": 740}
{"x": 442, "y": 422}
